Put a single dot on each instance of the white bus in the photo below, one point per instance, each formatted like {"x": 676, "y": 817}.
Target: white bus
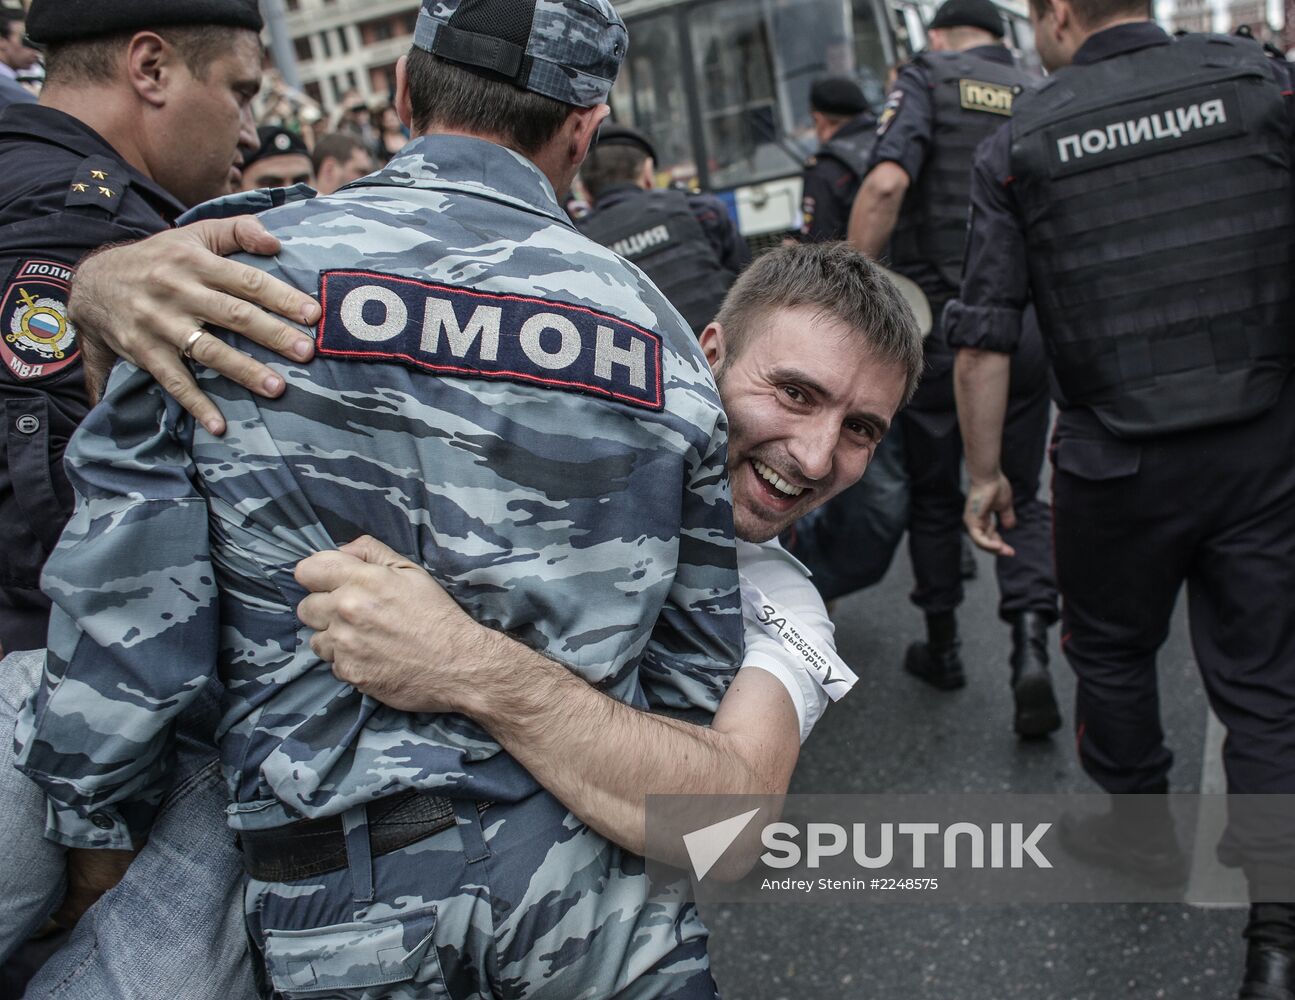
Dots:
{"x": 722, "y": 87}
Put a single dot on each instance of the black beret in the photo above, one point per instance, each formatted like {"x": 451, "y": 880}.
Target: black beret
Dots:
{"x": 616, "y": 134}
{"x": 277, "y": 141}
{"x": 837, "y": 95}
{"x": 53, "y": 21}
{"x": 969, "y": 14}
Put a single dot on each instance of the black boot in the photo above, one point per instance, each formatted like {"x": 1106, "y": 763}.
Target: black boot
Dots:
{"x": 936, "y": 661}
{"x": 1036, "y": 705}
{"x": 1136, "y": 837}
{"x": 1270, "y": 956}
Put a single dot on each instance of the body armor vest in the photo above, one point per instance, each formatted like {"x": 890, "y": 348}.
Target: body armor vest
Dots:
{"x": 1156, "y": 190}
{"x": 853, "y": 150}
{"x": 971, "y": 98}
{"x": 660, "y": 234}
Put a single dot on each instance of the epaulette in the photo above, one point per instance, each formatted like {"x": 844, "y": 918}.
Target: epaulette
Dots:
{"x": 100, "y": 182}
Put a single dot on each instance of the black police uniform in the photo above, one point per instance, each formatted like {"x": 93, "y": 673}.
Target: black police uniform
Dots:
{"x": 1144, "y": 196}
{"x": 832, "y": 177}
{"x": 942, "y": 106}
{"x": 686, "y": 243}
{"x": 66, "y": 192}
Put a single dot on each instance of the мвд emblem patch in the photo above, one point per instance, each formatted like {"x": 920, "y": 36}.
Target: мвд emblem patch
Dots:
{"x": 36, "y": 338}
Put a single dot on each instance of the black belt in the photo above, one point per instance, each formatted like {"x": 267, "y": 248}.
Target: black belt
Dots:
{"x": 317, "y": 846}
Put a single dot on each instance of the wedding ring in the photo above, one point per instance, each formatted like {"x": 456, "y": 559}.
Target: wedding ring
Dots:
{"x": 187, "y": 349}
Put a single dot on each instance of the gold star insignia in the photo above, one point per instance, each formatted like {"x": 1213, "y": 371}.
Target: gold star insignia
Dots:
{"x": 78, "y": 187}
{"x": 106, "y": 192}
{"x": 99, "y": 175}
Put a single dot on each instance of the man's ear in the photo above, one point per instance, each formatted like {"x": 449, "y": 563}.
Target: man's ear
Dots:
{"x": 1063, "y": 16}
{"x": 713, "y": 346}
{"x": 647, "y": 176}
{"x": 150, "y": 66}
{"x": 404, "y": 106}
{"x": 583, "y": 124}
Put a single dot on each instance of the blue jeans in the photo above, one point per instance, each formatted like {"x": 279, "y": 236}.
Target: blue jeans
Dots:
{"x": 173, "y": 927}
{"x": 31, "y": 867}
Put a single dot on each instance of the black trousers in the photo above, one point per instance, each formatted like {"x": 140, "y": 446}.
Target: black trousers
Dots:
{"x": 24, "y": 619}
{"x": 933, "y": 447}
{"x": 1134, "y": 521}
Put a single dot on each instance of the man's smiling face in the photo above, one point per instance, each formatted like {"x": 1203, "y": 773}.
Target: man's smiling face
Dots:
{"x": 807, "y": 404}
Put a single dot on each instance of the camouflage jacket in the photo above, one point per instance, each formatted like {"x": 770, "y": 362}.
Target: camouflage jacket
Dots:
{"x": 495, "y": 396}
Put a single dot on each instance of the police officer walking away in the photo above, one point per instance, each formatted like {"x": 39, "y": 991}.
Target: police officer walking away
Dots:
{"x": 1143, "y": 198}
{"x": 847, "y": 131}
{"x": 915, "y": 198}
{"x": 126, "y": 135}
{"x": 687, "y": 243}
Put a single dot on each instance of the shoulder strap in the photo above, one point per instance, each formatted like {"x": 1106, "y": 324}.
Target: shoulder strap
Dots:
{"x": 99, "y": 182}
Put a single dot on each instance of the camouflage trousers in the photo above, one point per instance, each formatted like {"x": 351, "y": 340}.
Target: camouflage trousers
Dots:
{"x": 521, "y": 900}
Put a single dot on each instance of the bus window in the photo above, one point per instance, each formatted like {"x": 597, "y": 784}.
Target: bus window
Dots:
{"x": 649, "y": 94}
{"x": 755, "y": 63}
{"x": 744, "y": 136}
{"x": 813, "y": 39}
{"x": 869, "y": 53}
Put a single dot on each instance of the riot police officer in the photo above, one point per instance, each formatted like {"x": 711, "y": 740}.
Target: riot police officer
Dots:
{"x": 456, "y": 284}
{"x": 1143, "y": 198}
{"x": 98, "y": 160}
{"x": 687, "y": 243}
{"x": 847, "y": 130}
{"x": 945, "y": 101}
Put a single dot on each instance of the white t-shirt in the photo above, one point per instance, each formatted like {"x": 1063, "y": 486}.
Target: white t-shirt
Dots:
{"x": 784, "y": 579}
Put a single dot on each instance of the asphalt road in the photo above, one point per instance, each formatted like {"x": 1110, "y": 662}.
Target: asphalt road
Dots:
{"x": 894, "y": 734}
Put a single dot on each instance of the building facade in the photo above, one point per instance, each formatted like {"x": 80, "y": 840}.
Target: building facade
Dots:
{"x": 349, "y": 46}
{"x": 1265, "y": 18}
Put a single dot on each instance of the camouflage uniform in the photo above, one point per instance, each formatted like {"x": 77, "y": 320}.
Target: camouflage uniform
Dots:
{"x": 506, "y": 403}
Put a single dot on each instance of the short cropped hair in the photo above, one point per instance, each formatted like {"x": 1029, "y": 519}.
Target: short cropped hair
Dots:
{"x": 446, "y": 96}
{"x": 839, "y": 282}
{"x": 1094, "y": 12}
{"x": 339, "y": 146}
{"x": 94, "y": 60}
{"x": 607, "y": 166}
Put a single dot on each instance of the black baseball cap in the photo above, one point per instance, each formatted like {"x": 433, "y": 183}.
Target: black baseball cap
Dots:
{"x": 616, "y": 134}
{"x": 837, "y": 95}
{"x": 969, "y": 14}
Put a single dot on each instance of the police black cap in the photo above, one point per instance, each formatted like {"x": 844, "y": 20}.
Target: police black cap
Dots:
{"x": 616, "y": 134}
{"x": 837, "y": 95}
{"x": 277, "y": 141}
{"x": 52, "y": 21}
{"x": 969, "y": 14}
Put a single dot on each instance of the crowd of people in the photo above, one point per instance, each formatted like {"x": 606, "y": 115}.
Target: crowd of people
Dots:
{"x": 419, "y": 536}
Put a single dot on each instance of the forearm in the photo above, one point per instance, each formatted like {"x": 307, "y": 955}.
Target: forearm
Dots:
{"x": 599, "y": 757}
{"x": 981, "y": 381}
{"x": 876, "y": 209}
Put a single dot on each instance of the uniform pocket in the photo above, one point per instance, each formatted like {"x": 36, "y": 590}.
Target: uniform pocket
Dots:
{"x": 33, "y": 447}
{"x": 369, "y": 959}
{"x": 1096, "y": 460}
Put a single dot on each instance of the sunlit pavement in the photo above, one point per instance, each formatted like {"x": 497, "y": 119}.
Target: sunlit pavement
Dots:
{"x": 894, "y": 734}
